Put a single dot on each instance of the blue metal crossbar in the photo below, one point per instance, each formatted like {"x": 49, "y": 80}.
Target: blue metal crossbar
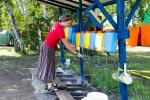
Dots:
{"x": 101, "y": 7}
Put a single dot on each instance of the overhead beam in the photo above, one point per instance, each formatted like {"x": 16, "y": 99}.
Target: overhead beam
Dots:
{"x": 62, "y": 2}
{"x": 59, "y": 5}
{"x": 67, "y": 3}
{"x": 105, "y": 3}
{"x": 76, "y": 2}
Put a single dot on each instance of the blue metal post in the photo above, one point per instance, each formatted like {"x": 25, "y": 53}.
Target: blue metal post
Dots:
{"x": 62, "y": 56}
{"x": 80, "y": 22}
{"x": 122, "y": 46}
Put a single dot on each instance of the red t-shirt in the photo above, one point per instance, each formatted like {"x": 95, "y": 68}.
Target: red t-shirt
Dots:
{"x": 54, "y": 35}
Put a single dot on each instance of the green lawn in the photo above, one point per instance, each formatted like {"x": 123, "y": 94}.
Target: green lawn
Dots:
{"x": 101, "y": 77}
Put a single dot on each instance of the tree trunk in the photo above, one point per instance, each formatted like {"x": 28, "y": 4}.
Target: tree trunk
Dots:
{"x": 45, "y": 15}
{"x": 39, "y": 35}
{"x": 20, "y": 7}
{"x": 25, "y": 6}
{"x": 0, "y": 18}
{"x": 13, "y": 24}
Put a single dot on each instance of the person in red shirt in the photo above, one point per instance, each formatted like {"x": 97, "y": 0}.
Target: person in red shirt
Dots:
{"x": 46, "y": 70}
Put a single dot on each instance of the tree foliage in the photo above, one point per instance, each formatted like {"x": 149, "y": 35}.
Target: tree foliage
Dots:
{"x": 27, "y": 25}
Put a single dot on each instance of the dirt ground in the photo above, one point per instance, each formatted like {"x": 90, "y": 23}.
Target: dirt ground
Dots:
{"x": 15, "y": 77}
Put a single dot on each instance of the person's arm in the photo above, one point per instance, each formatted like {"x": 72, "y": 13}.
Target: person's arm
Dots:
{"x": 71, "y": 48}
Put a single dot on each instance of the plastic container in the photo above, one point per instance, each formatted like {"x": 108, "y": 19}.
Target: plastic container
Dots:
{"x": 67, "y": 63}
{"x": 73, "y": 39}
{"x": 96, "y": 96}
{"x": 82, "y": 39}
{"x": 87, "y": 40}
{"x": 110, "y": 41}
{"x": 77, "y": 39}
{"x": 99, "y": 41}
{"x": 134, "y": 33}
{"x": 70, "y": 31}
{"x": 66, "y": 32}
{"x": 145, "y": 35}
{"x": 92, "y": 40}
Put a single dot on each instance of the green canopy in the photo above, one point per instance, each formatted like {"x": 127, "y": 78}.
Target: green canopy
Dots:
{"x": 6, "y": 38}
{"x": 146, "y": 18}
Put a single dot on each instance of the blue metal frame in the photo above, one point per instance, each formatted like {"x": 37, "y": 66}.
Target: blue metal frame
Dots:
{"x": 103, "y": 10}
{"x": 80, "y": 23}
{"x": 100, "y": 5}
{"x": 121, "y": 29}
{"x": 62, "y": 55}
{"x": 122, "y": 46}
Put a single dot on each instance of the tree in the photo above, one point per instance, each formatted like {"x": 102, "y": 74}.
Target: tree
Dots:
{"x": 144, "y": 7}
{"x": 8, "y": 7}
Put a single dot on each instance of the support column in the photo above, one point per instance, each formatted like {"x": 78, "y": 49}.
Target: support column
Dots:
{"x": 122, "y": 45}
{"x": 80, "y": 23}
{"x": 62, "y": 56}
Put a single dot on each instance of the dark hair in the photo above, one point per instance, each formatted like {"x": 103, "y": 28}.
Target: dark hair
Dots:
{"x": 64, "y": 18}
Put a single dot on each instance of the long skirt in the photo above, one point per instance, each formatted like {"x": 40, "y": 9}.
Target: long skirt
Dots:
{"x": 46, "y": 64}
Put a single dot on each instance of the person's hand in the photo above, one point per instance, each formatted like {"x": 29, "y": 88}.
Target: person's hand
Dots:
{"x": 79, "y": 55}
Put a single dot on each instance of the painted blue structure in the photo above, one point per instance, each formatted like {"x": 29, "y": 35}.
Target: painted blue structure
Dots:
{"x": 122, "y": 46}
{"x": 62, "y": 55}
{"x": 120, "y": 28}
{"x": 123, "y": 33}
{"x": 80, "y": 23}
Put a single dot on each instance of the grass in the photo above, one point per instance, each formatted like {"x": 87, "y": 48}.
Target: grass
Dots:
{"x": 101, "y": 77}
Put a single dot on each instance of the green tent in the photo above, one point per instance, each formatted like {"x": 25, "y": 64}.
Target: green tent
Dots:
{"x": 146, "y": 18}
{"x": 6, "y": 38}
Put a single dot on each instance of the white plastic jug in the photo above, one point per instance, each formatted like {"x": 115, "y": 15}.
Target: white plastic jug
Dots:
{"x": 67, "y": 63}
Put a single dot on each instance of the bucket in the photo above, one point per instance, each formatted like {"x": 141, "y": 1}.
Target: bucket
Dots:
{"x": 96, "y": 96}
{"x": 92, "y": 40}
{"x": 145, "y": 35}
{"x": 67, "y": 63}
{"x": 99, "y": 41}
{"x": 134, "y": 33}
{"x": 70, "y": 31}
{"x": 77, "y": 39}
{"x": 73, "y": 38}
{"x": 110, "y": 41}
{"x": 87, "y": 40}
{"x": 66, "y": 32}
{"x": 85, "y": 98}
{"x": 82, "y": 39}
